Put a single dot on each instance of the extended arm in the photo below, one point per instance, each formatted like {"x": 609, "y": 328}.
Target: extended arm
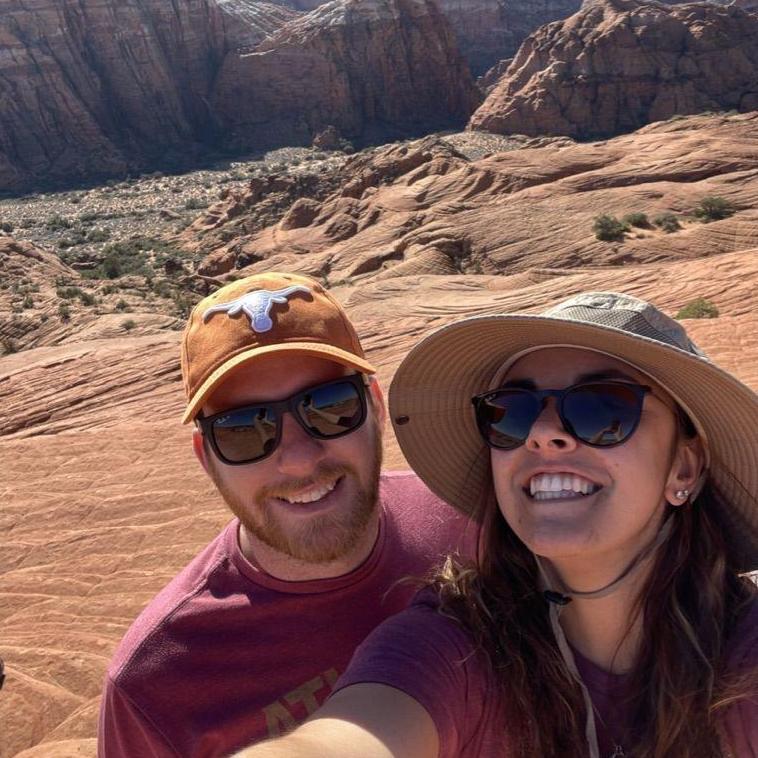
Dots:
{"x": 360, "y": 721}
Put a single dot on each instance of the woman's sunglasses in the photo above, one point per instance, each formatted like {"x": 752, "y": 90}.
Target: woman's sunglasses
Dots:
{"x": 252, "y": 433}
{"x": 599, "y": 413}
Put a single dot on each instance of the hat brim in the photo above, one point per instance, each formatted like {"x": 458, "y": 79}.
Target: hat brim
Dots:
{"x": 431, "y": 410}
{"x": 312, "y": 349}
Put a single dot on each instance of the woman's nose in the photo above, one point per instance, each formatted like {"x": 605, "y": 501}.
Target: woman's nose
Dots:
{"x": 548, "y": 433}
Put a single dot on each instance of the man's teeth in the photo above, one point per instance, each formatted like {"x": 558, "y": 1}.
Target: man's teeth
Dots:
{"x": 310, "y": 496}
{"x": 554, "y": 486}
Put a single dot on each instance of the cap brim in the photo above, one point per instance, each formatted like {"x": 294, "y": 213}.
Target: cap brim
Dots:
{"x": 432, "y": 390}
{"x": 313, "y": 349}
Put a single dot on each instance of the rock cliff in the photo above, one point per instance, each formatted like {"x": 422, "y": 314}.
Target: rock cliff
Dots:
{"x": 94, "y": 89}
{"x": 619, "y": 64}
{"x": 488, "y": 30}
{"x": 374, "y": 69}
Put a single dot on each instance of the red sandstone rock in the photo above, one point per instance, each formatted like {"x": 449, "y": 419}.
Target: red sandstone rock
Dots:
{"x": 369, "y": 68}
{"x": 619, "y": 64}
{"x": 92, "y": 89}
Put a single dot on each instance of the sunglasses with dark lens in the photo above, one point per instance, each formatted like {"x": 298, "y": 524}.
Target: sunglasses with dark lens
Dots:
{"x": 252, "y": 433}
{"x": 597, "y": 413}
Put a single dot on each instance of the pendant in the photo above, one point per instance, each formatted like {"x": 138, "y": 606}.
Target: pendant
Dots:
{"x": 618, "y": 752}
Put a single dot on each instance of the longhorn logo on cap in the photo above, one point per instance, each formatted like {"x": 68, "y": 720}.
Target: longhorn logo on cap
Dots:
{"x": 256, "y": 306}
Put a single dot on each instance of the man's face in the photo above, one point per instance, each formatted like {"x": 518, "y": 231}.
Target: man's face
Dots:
{"x": 311, "y": 499}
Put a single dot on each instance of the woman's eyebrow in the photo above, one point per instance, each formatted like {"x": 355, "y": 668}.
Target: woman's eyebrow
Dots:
{"x": 520, "y": 384}
{"x": 611, "y": 373}
{"x": 593, "y": 376}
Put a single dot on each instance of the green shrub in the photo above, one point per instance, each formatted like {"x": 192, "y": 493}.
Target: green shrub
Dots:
{"x": 714, "y": 209}
{"x": 28, "y": 302}
{"x": 609, "y": 228}
{"x": 6, "y": 226}
{"x": 698, "y": 308}
{"x": 667, "y": 222}
{"x": 122, "y": 305}
{"x": 57, "y": 222}
{"x": 68, "y": 293}
{"x": 128, "y": 325}
{"x": 98, "y": 235}
{"x": 636, "y": 218}
{"x": 64, "y": 312}
{"x": 194, "y": 204}
{"x": 87, "y": 298}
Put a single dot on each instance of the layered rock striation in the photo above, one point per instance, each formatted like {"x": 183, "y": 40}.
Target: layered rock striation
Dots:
{"x": 619, "y": 64}
{"x": 96, "y": 88}
{"x": 373, "y": 69}
{"x": 92, "y": 89}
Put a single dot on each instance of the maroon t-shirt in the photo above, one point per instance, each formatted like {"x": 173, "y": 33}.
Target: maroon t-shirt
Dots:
{"x": 431, "y": 658}
{"x": 227, "y": 655}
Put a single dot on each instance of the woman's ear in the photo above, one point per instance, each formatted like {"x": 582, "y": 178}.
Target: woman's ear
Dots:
{"x": 685, "y": 476}
{"x": 199, "y": 448}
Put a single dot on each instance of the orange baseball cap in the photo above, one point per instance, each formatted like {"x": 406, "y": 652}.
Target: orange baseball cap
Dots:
{"x": 260, "y": 315}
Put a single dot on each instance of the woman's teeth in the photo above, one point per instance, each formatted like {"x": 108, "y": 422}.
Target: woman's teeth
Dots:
{"x": 310, "y": 496}
{"x": 555, "y": 486}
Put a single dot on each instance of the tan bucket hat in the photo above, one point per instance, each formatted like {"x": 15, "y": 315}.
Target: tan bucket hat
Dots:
{"x": 260, "y": 315}
{"x": 431, "y": 410}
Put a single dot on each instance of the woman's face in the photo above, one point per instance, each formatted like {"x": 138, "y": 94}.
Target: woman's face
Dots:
{"x": 617, "y": 495}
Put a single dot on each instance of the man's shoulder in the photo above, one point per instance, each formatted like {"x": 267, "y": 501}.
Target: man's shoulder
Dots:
{"x": 153, "y": 623}
{"x": 422, "y": 519}
{"x": 402, "y": 489}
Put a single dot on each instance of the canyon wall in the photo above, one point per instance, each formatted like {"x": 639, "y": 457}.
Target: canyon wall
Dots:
{"x": 619, "y": 64}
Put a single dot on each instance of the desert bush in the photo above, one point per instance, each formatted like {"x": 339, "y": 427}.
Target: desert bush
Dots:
{"x": 667, "y": 222}
{"x": 162, "y": 288}
{"x": 64, "y": 312}
{"x": 67, "y": 293}
{"x": 122, "y": 258}
{"x": 698, "y": 308}
{"x": 98, "y": 235}
{"x": 57, "y": 222}
{"x": 636, "y": 218}
{"x": 75, "y": 237}
{"x": 8, "y": 346}
{"x": 122, "y": 305}
{"x": 28, "y": 302}
{"x": 128, "y": 325}
{"x": 194, "y": 204}
{"x": 87, "y": 298}
{"x": 609, "y": 228}
{"x": 714, "y": 208}
{"x": 6, "y": 226}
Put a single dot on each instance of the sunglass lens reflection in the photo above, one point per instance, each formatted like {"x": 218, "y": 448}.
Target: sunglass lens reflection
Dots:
{"x": 507, "y": 418}
{"x": 602, "y": 415}
{"x": 332, "y": 410}
{"x": 246, "y": 434}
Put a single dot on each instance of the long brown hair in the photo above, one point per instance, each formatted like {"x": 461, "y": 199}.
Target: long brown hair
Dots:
{"x": 693, "y": 599}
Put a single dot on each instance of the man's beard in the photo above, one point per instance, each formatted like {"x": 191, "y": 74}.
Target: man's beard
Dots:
{"x": 321, "y": 538}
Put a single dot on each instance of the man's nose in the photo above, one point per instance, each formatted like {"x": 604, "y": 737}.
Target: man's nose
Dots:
{"x": 548, "y": 433}
{"x": 298, "y": 452}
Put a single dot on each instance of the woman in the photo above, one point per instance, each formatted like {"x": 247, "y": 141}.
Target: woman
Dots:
{"x": 615, "y": 471}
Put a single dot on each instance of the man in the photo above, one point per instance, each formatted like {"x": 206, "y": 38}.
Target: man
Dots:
{"x": 250, "y": 637}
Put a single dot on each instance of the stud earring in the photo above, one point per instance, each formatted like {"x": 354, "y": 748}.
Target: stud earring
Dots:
{"x": 682, "y": 494}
